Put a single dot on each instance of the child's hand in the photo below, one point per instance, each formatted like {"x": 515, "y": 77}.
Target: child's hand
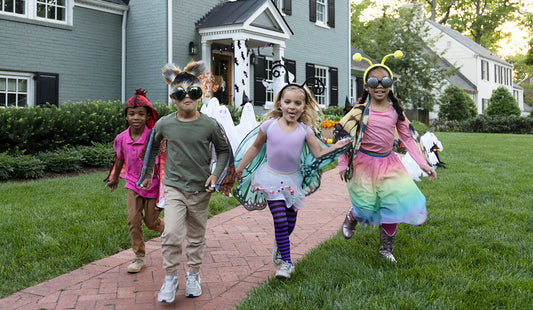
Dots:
{"x": 238, "y": 173}
{"x": 112, "y": 184}
{"x": 145, "y": 185}
{"x": 210, "y": 183}
{"x": 339, "y": 144}
{"x": 432, "y": 174}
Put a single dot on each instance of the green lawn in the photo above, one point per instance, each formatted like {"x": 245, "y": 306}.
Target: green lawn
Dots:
{"x": 474, "y": 252}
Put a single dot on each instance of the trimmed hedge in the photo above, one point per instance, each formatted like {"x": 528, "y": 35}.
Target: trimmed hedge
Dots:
{"x": 485, "y": 124}
{"x": 34, "y": 129}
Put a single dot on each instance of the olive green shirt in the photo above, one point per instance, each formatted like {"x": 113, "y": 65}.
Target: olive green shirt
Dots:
{"x": 188, "y": 152}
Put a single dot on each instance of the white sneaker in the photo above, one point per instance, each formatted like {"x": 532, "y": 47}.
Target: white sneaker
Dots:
{"x": 193, "y": 286}
{"x": 168, "y": 290}
{"x": 136, "y": 265}
{"x": 285, "y": 271}
{"x": 276, "y": 255}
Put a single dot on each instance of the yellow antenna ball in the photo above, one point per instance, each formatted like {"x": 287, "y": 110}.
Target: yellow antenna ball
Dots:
{"x": 357, "y": 57}
{"x": 398, "y": 54}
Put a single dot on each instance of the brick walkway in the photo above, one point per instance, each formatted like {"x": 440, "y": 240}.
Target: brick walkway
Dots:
{"x": 236, "y": 259}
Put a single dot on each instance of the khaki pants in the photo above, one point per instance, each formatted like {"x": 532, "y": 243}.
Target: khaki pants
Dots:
{"x": 139, "y": 209}
{"x": 185, "y": 216}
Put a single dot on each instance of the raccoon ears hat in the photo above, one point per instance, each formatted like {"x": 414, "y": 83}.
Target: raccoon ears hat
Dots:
{"x": 173, "y": 74}
{"x": 358, "y": 57}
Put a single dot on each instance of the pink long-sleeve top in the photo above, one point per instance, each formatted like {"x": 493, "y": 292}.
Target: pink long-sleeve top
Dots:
{"x": 379, "y": 136}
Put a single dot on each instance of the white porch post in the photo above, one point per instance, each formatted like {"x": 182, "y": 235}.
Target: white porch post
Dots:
{"x": 240, "y": 79}
{"x": 206, "y": 54}
{"x": 279, "y": 52}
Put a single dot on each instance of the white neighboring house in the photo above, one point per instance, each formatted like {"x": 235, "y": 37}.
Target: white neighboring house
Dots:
{"x": 478, "y": 65}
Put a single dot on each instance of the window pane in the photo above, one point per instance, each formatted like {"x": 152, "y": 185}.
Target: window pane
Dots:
{"x": 20, "y": 7}
{"x": 22, "y": 86}
{"x": 3, "y": 84}
{"x": 61, "y": 2}
{"x": 11, "y": 100}
{"x": 41, "y": 10}
{"x": 51, "y": 12}
{"x": 2, "y": 100}
{"x": 11, "y": 85}
{"x": 22, "y": 100}
{"x": 60, "y": 14}
{"x": 8, "y": 6}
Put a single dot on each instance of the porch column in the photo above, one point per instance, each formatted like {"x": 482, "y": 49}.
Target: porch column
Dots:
{"x": 241, "y": 82}
{"x": 206, "y": 54}
{"x": 279, "y": 52}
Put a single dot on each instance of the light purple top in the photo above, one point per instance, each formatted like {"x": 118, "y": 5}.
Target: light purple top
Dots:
{"x": 129, "y": 151}
{"x": 284, "y": 149}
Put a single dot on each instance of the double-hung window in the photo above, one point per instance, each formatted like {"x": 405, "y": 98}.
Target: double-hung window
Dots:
{"x": 321, "y": 73}
{"x": 15, "y": 90}
{"x": 322, "y": 12}
{"x": 57, "y": 11}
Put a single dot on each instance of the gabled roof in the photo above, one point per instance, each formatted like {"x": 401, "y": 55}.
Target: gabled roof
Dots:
{"x": 239, "y": 12}
{"x": 468, "y": 43}
{"x": 458, "y": 79}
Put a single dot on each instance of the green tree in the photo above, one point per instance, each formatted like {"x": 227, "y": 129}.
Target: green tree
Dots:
{"x": 419, "y": 74}
{"x": 502, "y": 103}
{"x": 479, "y": 19}
{"x": 456, "y": 104}
{"x": 521, "y": 69}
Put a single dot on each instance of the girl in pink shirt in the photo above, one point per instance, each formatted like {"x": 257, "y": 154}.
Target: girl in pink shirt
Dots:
{"x": 280, "y": 179}
{"x": 141, "y": 204}
{"x": 381, "y": 191}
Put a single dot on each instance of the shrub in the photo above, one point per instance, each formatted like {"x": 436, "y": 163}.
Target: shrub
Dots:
{"x": 334, "y": 111}
{"x": 456, "y": 104}
{"x": 420, "y": 127}
{"x": 61, "y": 160}
{"x": 6, "y": 166}
{"x": 27, "y": 167}
{"x": 98, "y": 155}
{"x": 502, "y": 103}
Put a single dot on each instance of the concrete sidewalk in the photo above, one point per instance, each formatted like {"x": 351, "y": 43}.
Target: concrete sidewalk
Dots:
{"x": 236, "y": 259}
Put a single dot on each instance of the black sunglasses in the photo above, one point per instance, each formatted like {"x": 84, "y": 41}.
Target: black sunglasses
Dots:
{"x": 373, "y": 82}
{"x": 179, "y": 93}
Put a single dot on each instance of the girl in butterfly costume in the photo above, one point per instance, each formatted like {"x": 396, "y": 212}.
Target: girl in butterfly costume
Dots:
{"x": 381, "y": 191}
{"x": 279, "y": 163}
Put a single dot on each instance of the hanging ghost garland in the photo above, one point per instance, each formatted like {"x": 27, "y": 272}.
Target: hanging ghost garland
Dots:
{"x": 280, "y": 77}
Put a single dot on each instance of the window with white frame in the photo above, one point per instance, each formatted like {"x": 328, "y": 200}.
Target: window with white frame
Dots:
{"x": 56, "y": 11}
{"x": 279, "y": 4}
{"x": 321, "y": 73}
{"x": 484, "y": 70}
{"x": 269, "y": 97}
{"x": 484, "y": 104}
{"x": 322, "y": 11}
{"x": 353, "y": 89}
{"x": 15, "y": 90}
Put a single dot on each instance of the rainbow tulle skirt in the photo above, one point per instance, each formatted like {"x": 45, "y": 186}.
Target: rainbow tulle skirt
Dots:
{"x": 382, "y": 192}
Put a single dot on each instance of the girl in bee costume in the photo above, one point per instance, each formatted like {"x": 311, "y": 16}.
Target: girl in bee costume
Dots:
{"x": 381, "y": 191}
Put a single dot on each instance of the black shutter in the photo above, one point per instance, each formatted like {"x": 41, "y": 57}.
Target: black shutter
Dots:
{"x": 334, "y": 86}
{"x": 309, "y": 70}
{"x": 47, "y": 88}
{"x": 287, "y": 7}
{"x": 331, "y": 13}
{"x": 259, "y": 75}
{"x": 291, "y": 67}
{"x": 312, "y": 10}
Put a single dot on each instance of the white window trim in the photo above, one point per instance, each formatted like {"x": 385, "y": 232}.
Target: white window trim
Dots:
{"x": 322, "y": 23}
{"x": 30, "y": 7}
{"x": 268, "y": 63}
{"x": 353, "y": 89}
{"x": 325, "y": 94}
{"x": 30, "y": 87}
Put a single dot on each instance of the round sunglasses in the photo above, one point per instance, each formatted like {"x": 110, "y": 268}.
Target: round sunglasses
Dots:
{"x": 179, "y": 93}
{"x": 373, "y": 82}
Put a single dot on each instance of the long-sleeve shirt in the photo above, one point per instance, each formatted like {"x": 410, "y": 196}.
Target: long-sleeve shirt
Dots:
{"x": 379, "y": 136}
{"x": 188, "y": 152}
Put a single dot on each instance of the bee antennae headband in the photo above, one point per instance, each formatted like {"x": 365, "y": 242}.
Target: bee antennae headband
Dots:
{"x": 357, "y": 57}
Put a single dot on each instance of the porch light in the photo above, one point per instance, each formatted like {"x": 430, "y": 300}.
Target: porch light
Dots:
{"x": 193, "y": 49}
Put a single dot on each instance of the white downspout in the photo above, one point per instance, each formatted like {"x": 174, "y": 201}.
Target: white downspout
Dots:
{"x": 123, "y": 60}
{"x": 169, "y": 36}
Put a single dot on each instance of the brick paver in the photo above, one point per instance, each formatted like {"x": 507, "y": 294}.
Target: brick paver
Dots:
{"x": 236, "y": 259}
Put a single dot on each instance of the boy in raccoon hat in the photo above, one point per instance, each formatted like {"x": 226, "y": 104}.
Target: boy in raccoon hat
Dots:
{"x": 189, "y": 181}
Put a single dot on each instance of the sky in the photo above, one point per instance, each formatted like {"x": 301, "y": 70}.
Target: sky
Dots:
{"x": 515, "y": 43}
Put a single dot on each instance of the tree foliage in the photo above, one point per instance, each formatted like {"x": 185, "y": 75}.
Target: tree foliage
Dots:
{"x": 419, "y": 73}
{"x": 502, "y": 103}
{"x": 456, "y": 105}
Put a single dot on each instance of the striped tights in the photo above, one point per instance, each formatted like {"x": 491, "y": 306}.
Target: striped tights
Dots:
{"x": 284, "y": 223}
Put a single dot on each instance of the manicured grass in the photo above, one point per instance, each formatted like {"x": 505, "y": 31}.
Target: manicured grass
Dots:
{"x": 474, "y": 251}
{"x": 53, "y": 226}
